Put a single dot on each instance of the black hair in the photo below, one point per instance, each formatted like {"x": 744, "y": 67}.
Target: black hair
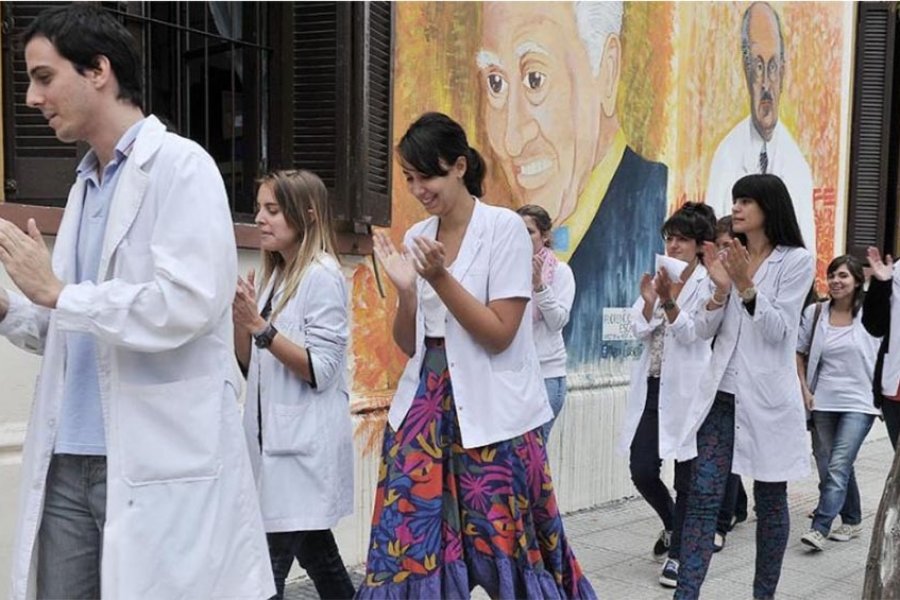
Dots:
{"x": 541, "y": 219}
{"x": 694, "y": 220}
{"x": 772, "y": 196}
{"x": 855, "y": 266}
{"x": 435, "y": 138}
{"x": 81, "y": 33}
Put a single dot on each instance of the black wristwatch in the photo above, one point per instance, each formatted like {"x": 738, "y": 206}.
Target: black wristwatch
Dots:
{"x": 668, "y": 304}
{"x": 264, "y": 338}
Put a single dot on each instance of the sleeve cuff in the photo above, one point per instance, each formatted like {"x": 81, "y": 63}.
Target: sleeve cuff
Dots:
{"x": 312, "y": 370}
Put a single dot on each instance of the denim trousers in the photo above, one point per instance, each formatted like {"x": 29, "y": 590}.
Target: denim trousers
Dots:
{"x": 556, "y": 392}
{"x": 70, "y": 539}
{"x": 840, "y": 435}
{"x": 851, "y": 512}
{"x": 317, "y": 553}
{"x": 712, "y": 467}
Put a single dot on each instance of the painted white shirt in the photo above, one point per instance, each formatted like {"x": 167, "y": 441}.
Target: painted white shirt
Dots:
{"x": 738, "y": 155}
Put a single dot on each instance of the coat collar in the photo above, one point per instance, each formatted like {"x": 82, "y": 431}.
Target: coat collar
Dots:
{"x": 471, "y": 243}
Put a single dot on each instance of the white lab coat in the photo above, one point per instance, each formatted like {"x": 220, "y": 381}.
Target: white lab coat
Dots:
{"x": 685, "y": 359}
{"x": 305, "y": 470}
{"x": 497, "y": 396}
{"x": 182, "y": 519}
{"x": 770, "y": 440}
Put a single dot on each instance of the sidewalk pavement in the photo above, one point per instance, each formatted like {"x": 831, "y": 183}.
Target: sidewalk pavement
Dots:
{"x": 613, "y": 544}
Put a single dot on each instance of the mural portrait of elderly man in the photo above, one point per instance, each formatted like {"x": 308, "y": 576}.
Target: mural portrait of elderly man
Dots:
{"x": 550, "y": 73}
{"x": 760, "y": 143}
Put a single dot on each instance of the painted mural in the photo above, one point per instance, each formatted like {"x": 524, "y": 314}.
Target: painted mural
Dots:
{"x": 610, "y": 115}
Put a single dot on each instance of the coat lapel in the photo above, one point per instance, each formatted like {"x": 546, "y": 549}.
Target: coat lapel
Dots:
{"x": 130, "y": 190}
{"x": 471, "y": 243}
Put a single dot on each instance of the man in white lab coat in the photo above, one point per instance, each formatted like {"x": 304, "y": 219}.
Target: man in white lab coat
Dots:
{"x": 136, "y": 481}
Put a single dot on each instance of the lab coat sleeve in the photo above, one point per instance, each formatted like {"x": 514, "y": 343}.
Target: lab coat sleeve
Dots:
{"x": 326, "y": 324}
{"x": 804, "y": 337}
{"x": 194, "y": 265}
{"x": 707, "y": 322}
{"x": 779, "y": 315}
{"x": 25, "y": 324}
{"x": 684, "y": 328}
{"x": 555, "y": 301}
{"x": 641, "y": 327}
{"x": 510, "y": 267}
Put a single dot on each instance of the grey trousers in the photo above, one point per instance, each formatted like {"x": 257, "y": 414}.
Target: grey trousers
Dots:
{"x": 70, "y": 540}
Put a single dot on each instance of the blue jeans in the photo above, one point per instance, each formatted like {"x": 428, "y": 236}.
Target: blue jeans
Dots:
{"x": 70, "y": 540}
{"x": 712, "y": 467}
{"x": 556, "y": 392}
{"x": 840, "y": 436}
{"x": 851, "y": 512}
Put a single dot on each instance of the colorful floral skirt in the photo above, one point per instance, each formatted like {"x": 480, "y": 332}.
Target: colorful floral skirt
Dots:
{"x": 447, "y": 519}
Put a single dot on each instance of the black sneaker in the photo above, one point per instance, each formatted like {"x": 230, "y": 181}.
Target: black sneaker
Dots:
{"x": 669, "y": 575}
{"x": 661, "y": 547}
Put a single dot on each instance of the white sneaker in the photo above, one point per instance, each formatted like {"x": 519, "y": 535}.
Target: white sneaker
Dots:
{"x": 845, "y": 532}
{"x": 668, "y": 577}
{"x": 813, "y": 539}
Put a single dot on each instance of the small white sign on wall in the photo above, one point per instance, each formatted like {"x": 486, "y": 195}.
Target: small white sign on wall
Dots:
{"x": 617, "y": 325}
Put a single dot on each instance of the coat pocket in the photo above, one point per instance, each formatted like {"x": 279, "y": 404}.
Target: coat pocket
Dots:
{"x": 171, "y": 431}
{"x": 291, "y": 429}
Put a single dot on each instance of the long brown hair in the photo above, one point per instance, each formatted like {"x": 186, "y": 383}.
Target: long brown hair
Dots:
{"x": 303, "y": 199}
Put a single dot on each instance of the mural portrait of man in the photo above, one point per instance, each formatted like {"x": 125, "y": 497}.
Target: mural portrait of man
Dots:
{"x": 550, "y": 75}
{"x": 760, "y": 143}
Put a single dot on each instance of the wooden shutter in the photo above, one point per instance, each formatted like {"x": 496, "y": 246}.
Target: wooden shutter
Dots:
{"x": 321, "y": 82}
{"x": 370, "y": 140}
{"x": 871, "y": 216}
{"x": 39, "y": 168}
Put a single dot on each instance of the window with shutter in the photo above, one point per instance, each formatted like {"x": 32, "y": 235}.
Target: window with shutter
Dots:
{"x": 873, "y": 146}
{"x": 38, "y": 167}
{"x": 341, "y": 103}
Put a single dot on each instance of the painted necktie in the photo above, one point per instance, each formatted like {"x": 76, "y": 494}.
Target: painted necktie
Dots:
{"x": 763, "y": 160}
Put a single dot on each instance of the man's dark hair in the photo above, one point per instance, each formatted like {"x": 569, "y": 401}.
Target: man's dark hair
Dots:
{"x": 81, "y": 33}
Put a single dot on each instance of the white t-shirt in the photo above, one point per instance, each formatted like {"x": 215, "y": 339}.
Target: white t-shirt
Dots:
{"x": 843, "y": 384}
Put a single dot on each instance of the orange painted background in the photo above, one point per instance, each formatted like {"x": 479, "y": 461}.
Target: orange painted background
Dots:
{"x": 682, "y": 88}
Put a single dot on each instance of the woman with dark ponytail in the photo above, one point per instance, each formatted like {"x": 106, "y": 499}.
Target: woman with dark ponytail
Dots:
{"x": 464, "y": 496}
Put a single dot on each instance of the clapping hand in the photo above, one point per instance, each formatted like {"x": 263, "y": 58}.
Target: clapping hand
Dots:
{"x": 429, "y": 258}
{"x": 537, "y": 271}
{"x": 662, "y": 283}
{"x": 244, "y": 312}
{"x": 399, "y": 266}
{"x": 27, "y": 261}
{"x": 737, "y": 264}
{"x": 648, "y": 291}
{"x": 882, "y": 270}
{"x": 713, "y": 261}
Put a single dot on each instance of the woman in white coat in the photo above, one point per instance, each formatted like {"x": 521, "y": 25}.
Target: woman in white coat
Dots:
{"x": 291, "y": 338}
{"x": 464, "y": 494}
{"x": 664, "y": 380}
{"x": 836, "y": 360}
{"x": 553, "y": 290}
{"x": 749, "y": 409}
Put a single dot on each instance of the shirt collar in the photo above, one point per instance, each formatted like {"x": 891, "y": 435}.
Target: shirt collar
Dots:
{"x": 88, "y": 165}
{"x": 571, "y": 231}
